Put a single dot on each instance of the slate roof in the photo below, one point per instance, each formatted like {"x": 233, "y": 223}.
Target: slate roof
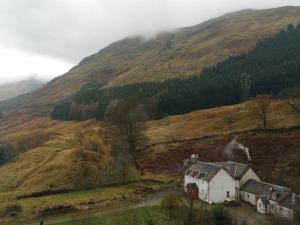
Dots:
{"x": 265, "y": 199}
{"x": 237, "y": 170}
{"x": 289, "y": 201}
{"x": 260, "y": 188}
{"x": 206, "y": 171}
{"x": 203, "y": 170}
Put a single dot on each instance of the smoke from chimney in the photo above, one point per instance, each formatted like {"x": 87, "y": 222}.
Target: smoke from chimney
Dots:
{"x": 234, "y": 144}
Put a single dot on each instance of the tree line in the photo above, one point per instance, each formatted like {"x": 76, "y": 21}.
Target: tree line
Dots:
{"x": 273, "y": 67}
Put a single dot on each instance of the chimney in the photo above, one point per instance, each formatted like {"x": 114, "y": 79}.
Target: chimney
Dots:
{"x": 194, "y": 158}
{"x": 249, "y": 162}
{"x": 189, "y": 161}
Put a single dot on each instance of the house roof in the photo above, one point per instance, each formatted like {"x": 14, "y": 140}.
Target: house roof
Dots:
{"x": 265, "y": 199}
{"x": 203, "y": 170}
{"x": 289, "y": 200}
{"x": 206, "y": 171}
{"x": 260, "y": 188}
{"x": 237, "y": 170}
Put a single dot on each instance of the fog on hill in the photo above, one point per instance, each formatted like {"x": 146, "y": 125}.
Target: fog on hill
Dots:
{"x": 49, "y": 37}
{"x": 14, "y": 89}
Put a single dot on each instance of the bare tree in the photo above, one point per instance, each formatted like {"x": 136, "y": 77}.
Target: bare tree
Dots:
{"x": 125, "y": 131}
{"x": 229, "y": 122}
{"x": 294, "y": 104}
{"x": 258, "y": 108}
{"x": 293, "y": 99}
{"x": 125, "y": 124}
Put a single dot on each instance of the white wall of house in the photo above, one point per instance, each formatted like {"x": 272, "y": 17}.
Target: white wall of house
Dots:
{"x": 250, "y": 174}
{"x": 221, "y": 187}
{"x": 284, "y": 212}
{"x": 261, "y": 207}
{"x": 203, "y": 190}
{"x": 201, "y": 184}
{"x": 188, "y": 179}
{"x": 273, "y": 207}
{"x": 248, "y": 197}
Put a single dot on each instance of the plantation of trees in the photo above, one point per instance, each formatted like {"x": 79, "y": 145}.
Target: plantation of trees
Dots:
{"x": 274, "y": 66}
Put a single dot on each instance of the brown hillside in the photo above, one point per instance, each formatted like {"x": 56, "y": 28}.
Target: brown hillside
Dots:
{"x": 42, "y": 145}
{"x": 179, "y": 53}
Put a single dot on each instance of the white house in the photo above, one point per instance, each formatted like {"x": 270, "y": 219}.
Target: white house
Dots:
{"x": 269, "y": 198}
{"x": 218, "y": 181}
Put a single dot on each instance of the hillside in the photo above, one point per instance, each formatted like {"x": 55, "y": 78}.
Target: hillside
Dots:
{"x": 50, "y": 151}
{"x": 11, "y": 90}
{"x": 179, "y": 53}
{"x": 271, "y": 67}
{"x": 52, "y": 162}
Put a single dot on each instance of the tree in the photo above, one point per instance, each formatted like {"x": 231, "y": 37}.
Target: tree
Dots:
{"x": 124, "y": 130}
{"x": 229, "y": 122}
{"x": 125, "y": 124}
{"x": 293, "y": 99}
{"x": 172, "y": 204}
{"x": 258, "y": 108}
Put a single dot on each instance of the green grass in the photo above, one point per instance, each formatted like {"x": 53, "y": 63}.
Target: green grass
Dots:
{"x": 259, "y": 222}
{"x": 140, "y": 216}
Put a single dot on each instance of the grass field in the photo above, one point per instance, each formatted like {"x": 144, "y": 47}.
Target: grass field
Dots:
{"x": 140, "y": 216}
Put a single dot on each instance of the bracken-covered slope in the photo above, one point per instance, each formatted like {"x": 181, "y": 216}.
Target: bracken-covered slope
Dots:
{"x": 180, "y": 53}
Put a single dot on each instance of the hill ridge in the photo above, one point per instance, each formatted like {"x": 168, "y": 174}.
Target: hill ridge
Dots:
{"x": 175, "y": 54}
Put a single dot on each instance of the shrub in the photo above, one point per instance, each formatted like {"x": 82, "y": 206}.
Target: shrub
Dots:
{"x": 221, "y": 216}
{"x": 171, "y": 205}
{"x": 13, "y": 210}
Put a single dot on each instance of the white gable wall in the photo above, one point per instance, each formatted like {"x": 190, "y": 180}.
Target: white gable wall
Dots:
{"x": 201, "y": 184}
{"x": 189, "y": 179}
{"x": 261, "y": 207}
{"x": 219, "y": 185}
{"x": 203, "y": 190}
{"x": 250, "y": 174}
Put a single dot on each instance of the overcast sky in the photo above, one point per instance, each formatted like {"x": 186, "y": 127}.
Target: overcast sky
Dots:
{"x": 47, "y": 37}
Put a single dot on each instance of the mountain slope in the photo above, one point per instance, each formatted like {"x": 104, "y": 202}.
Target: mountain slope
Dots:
{"x": 180, "y": 53}
{"x": 11, "y": 90}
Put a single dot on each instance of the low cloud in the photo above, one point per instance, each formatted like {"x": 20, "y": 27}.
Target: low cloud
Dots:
{"x": 65, "y": 31}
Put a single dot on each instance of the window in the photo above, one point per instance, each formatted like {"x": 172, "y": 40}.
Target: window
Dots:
{"x": 228, "y": 194}
{"x": 248, "y": 196}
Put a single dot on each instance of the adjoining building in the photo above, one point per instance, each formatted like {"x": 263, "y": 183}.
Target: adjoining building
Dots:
{"x": 270, "y": 198}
